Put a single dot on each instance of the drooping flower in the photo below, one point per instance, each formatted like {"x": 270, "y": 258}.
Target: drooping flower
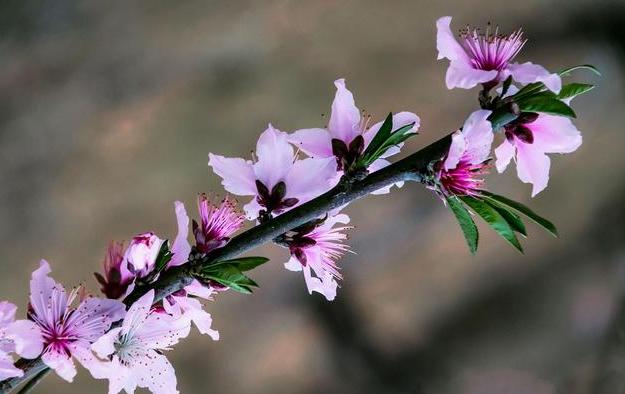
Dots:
{"x": 116, "y": 279}
{"x": 21, "y": 337}
{"x": 217, "y": 223}
{"x": 68, "y": 332}
{"x": 348, "y": 134}
{"x": 487, "y": 58}
{"x": 278, "y": 181}
{"x": 315, "y": 251}
{"x": 135, "y": 350}
{"x": 462, "y": 171}
{"x": 529, "y": 139}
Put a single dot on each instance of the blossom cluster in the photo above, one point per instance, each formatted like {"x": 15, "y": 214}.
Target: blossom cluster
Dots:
{"x": 126, "y": 344}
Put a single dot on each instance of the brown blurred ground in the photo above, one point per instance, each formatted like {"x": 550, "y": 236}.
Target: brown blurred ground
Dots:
{"x": 108, "y": 111}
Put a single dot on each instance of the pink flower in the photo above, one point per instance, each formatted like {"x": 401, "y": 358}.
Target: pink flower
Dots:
{"x": 68, "y": 332}
{"x": 487, "y": 58}
{"x": 116, "y": 279}
{"x": 529, "y": 138}
{"x": 347, "y": 134}
{"x": 467, "y": 159}
{"x": 217, "y": 224}
{"x": 277, "y": 180}
{"x": 16, "y": 336}
{"x": 135, "y": 350}
{"x": 141, "y": 254}
{"x": 186, "y": 305}
{"x": 315, "y": 251}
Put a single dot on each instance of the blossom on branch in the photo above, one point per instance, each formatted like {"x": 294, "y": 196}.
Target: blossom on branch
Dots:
{"x": 486, "y": 58}
{"x": 348, "y": 134}
{"x": 217, "y": 223}
{"x": 277, "y": 180}
{"x": 21, "y": 337}
{"x": 462, "y": 171}
{"x": 315, "y": 249}
{"x": 135, "y": 350}
{"x": 68, "y": 332}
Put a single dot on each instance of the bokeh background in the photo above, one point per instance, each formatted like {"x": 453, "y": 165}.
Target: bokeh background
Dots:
{"x": 107, "y": 113}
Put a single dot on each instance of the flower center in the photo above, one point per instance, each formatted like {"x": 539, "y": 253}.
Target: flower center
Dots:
{"x": 491, "y": 50}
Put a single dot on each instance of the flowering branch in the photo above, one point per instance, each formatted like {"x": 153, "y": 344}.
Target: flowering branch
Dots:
{"x": 153, "y": 289}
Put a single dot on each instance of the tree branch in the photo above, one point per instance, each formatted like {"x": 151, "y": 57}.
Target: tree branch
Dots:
{"x": 411, "y": 168}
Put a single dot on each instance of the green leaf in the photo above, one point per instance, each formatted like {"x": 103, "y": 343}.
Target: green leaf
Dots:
{"x": 395, "y": 138}
{"x": 528, "y": 90}
{"x": 469, "y": 229}
{"x": 229, "y": 275}
{"x": 545, "y": 104}
{"x": 243, "y": 263}
{"x": 572, "y": 90}
{"x": 523, "y": 210}
{"x": 381, "y": 135}
{"x": 506, "y": 86}
{"x": 589, "y": 67}
{"x": 512, "y": 218}
{"x": 494, "y": 220}
{"x": 163, "y": 257}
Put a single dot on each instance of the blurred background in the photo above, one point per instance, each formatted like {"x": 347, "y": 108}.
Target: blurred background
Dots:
{"x": 109, "y": 109}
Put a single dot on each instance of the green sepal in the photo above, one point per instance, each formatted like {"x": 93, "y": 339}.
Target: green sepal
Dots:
{"x": 467, "y": 225}
{"x": 494, "y": 219}
{"x": 522, "y": 210}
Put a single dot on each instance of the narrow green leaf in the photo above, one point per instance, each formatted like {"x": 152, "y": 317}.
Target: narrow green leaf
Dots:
{"x": 382, "y": 134}
{"x": 528, "y": 90}
{"x": 469, "y": 229}
{"x": 523, "y": 210}
{"x": 163, "y": 257}
{"x": 494, "y": 220}
{"x": 589, "y": 67}
{"x": 243, "y": 263}
{"x": 512, "y": 218}
{"x": 572, "y": 90}
{"x": 229, "y": 275}
{"x": 547, "y": 105}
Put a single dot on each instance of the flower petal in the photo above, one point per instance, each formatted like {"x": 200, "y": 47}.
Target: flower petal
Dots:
{"x": 47, "y": 297}
{"x": 532, "y": 166}
{"x": 345, "y": 118}
{"x": 158, "y": 375}
{"x": 26, "y": 336}
{"x": 181, "y": 247}
{"x": 462, "y": 75}
{"x": 275, "y": 157}
{"x": 138, "y": 313}
{"x": 478, "y": 133}
{"x": 105, "y": 345}
{"x": 456, "y": 150}
{"x": 446, "y": 43}
{"x": 237, "y": 174}
{"x": 504, "y": 153}
{"x": 316, "y": 143}
{"x": 7, "y": 369}
{"x": 309, "y": 178}
{"x": 61, "y": 363}
{"x": 555, "y": 134}
{"x": 94, "y": 317}
{"x": 529, "y": 72}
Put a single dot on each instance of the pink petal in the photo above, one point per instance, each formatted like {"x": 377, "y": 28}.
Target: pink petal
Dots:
{"x": 192, "y": 310}
{"x": 316, "y": 143}
{"x": 82, "y": 352}
{"x": 138, "y": 312}
{"x": 309, "y": 178}
{"x": 45, "y": 292}
{"x": 293, "y": 264}
{"x": 161, "y": 331}
{"x": 323, "y": 284}
{"x": 252, "y": 209}
{"x": 446, "y": 43}
{"x": 555, "y": 134}
{"x": 275, "y": 157}
{"x": 158, "y": 375}
{"x": 478, "y": 133}
{"x": 237, "y": 174}
{"x": 345, "y": 118}
{"x": 7, "y": 313}
{"x": 462, "y": 75}
{"x": 532, "y": 166}
{"x": 181, "y": 247}
{"x": 197, "y": 289}
{"x": 7, "y": 369}
{"x": 61, "y": 363}
{"x": 94, "y": 317}
{"x": 504, "y": 153}
{"x": 528, "y": 73}
{"x": 26, "y": 336}
{"x": 456, "y": 150}
{"x": 105, "y": 345}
